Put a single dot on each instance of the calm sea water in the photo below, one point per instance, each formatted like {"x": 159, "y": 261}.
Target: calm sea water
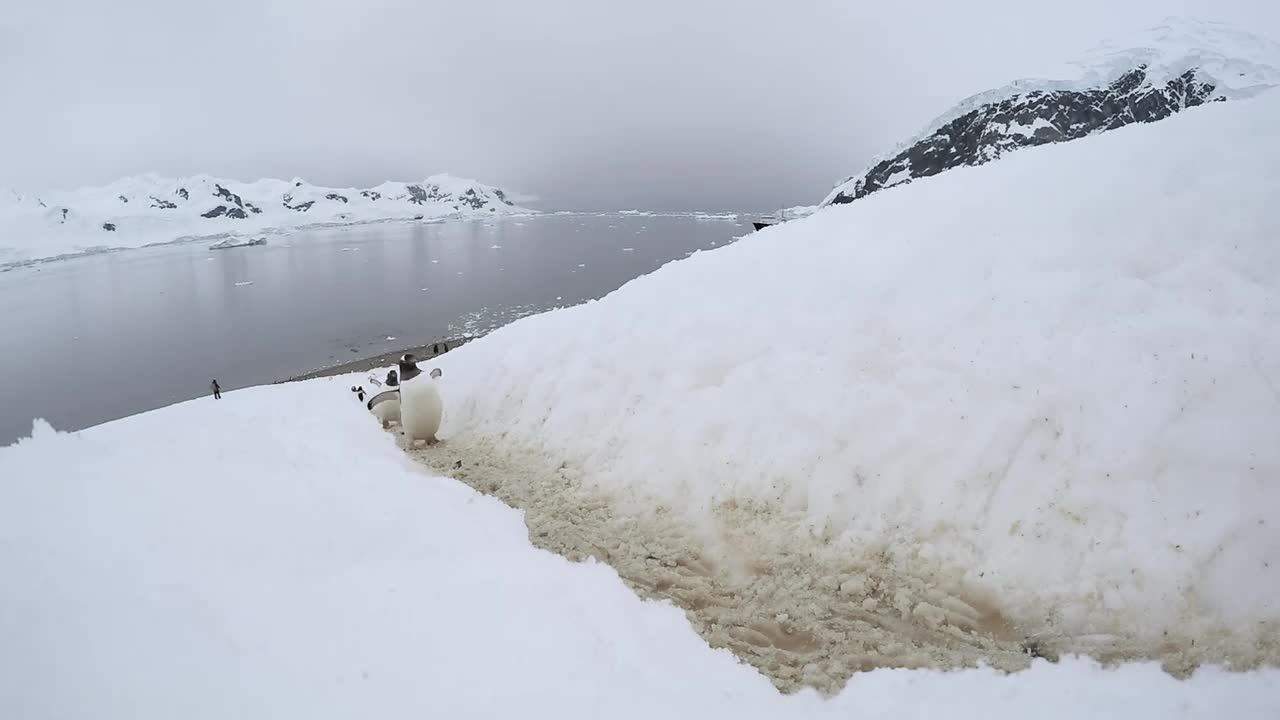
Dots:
{"x": 94, "y": 338}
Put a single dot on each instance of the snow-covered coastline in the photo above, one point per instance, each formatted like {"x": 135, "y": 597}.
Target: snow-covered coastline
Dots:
{"x": 153, "y": 210}
{"x": 1045, "y": 397}
{"x": 998, "y": 444}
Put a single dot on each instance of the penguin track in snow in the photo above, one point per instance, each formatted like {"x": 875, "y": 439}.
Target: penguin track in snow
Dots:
{"x": 744, "y": 586}
{"x": 803, "y": 608}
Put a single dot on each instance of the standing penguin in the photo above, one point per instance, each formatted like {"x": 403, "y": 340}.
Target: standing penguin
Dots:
{"x": 420, "y": 405}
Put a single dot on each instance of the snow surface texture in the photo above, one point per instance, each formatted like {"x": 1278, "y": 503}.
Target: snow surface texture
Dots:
{"x": 1145, "y": 77}
{"x": 1039, "y": 391}
{"x": 219, "y": 559}
{"x": 149, "y": 209}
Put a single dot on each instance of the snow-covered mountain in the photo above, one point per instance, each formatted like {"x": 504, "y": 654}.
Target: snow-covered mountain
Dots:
{"x": 1143, "y": 78}
{"x": 147, "y": 209}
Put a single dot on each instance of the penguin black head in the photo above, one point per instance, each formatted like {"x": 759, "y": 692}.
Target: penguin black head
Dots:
{"x": 409, "y": 367}
{"x": 392, "y": 378}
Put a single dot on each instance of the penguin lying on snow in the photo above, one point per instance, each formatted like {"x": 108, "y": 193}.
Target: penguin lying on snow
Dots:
{"x": 420, "y": 405}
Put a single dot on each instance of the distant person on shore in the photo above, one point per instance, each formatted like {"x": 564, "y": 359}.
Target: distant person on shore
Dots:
{"x": 217, "y": 391}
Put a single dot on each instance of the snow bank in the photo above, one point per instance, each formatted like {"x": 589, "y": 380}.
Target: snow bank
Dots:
{"x": 1056, "y": 377}
{"x": 226, "y": 559}
{"x": 149, "y": 209}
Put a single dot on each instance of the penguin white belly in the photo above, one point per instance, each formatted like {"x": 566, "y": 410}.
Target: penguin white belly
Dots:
{"x": 386, "y": 409}
{"x": 420, "y": 409}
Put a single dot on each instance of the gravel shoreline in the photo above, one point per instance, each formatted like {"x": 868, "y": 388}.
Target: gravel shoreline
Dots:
{"x": 425, "y": 352}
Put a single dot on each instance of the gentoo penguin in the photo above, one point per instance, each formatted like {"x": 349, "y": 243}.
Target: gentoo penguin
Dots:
{"x": 386, "y": 407}
{"x": 420, "y": 406}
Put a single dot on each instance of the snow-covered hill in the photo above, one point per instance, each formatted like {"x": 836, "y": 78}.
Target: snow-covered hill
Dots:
{"x": 137, "y": 211}
{"x": 1147, "y": 77}
{"x": 1049, "y": 381}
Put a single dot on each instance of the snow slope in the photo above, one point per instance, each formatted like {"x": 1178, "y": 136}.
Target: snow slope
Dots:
{"x": 1054, "y": 379}
{"x": 219, "y": 559}
{"x": 1140, "y": 78}
{"x": 149, "y": 209}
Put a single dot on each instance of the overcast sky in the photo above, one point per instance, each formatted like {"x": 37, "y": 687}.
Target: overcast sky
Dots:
{"x": 588, "y": 105}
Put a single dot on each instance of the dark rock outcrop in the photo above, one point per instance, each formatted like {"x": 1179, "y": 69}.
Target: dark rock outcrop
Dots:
{"x": 472, "y": 199}
{"x": 335, "y": 196}
{"x": 162, "y": 204}
{"x": 216, "y": 212}
{"x": 109, "y": 227}
{"x": 371, "y": 194}
{"x": 227, "y": 195}
{"x": 1029, "y": 119}
{"x": 182, "y": 192}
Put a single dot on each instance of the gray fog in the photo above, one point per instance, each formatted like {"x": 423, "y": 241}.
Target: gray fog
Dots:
{"x": 658, "y": 104}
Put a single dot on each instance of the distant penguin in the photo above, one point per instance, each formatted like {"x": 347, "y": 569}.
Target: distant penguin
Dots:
{"x": 386, "y": 407}
{"x": 359, "y": 391}
{"x": 420, "y": 405}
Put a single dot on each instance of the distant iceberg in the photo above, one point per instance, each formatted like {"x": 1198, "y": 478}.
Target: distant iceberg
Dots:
{"x": 235, "y": 242}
